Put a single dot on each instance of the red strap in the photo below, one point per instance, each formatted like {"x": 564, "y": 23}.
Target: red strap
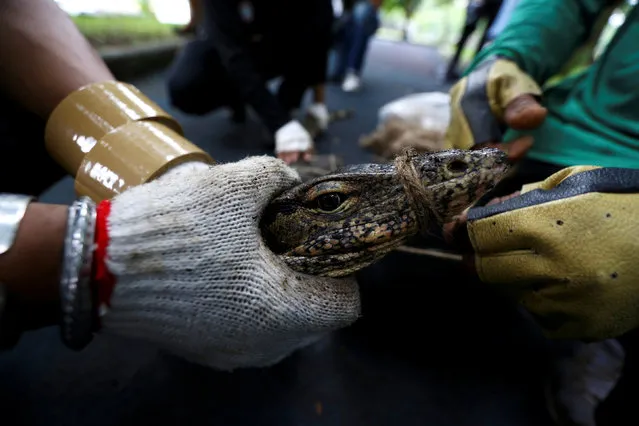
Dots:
{"x": 103, "y": 279}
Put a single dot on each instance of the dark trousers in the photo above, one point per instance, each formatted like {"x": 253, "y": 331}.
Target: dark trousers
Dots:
{"x": 198, "y": 82}
{"x": 25, "y": 165}
{"x": 473, "y": 16}
{"x": 352, "y": 45}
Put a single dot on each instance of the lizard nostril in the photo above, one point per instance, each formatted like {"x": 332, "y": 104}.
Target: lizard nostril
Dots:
{"x": 457, "y": 166}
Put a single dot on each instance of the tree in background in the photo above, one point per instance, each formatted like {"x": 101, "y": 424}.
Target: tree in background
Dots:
{"x": 409, "y": 7}
{"x": 145, "y": 7}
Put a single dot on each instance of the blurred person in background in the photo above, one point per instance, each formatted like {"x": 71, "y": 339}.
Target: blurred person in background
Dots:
{"x": 241, "y": 45}
{"x": 357, "y": 29}
{"x": 342, "y": 16}
{"x": 476, "y": 11}
{"x": 505, "y": 12}
{"x": 195, "y": 7}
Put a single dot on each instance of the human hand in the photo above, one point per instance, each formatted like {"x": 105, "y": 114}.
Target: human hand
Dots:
{"x": 564, "y": 249}
{"x": 494, "y": 94}
{"x": 194, "y": 277}
{"x": 293, "y": 143}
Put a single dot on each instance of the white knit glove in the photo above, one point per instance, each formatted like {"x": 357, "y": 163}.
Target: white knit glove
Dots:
{"x": 194, "y": 276}
{"x": 320, "y": 113}
{"x": 292, "y": 137}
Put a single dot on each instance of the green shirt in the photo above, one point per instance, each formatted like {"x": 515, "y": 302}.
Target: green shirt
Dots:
{"x": 593, "y": 116}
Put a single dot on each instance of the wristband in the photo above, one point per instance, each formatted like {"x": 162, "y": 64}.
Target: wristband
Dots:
{"x": 86, "y": 284}
{"x": 103, "y": 279}
{"x": 86, "y": 115}
{"x": 133, "y": 138}
{"x": 130, "y": 155}
{"x": 76, "y": 293}
{"x": 12, "y": 211}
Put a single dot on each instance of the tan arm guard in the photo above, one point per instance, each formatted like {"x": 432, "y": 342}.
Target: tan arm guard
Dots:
{"x": 479, "y": 102}
{"x": 567, "y": 250}
{"x": 110, "y": 137}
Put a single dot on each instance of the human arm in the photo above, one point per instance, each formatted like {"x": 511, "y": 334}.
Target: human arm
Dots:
{"x": 564, "y": 249}
{"x": 39, "y": 240}
{"x": 44, "y": 60}
{"x": 183, "y": 265}
{"x": 542, "y": 34}
{"x": 44, "y": 55}
{"x": 48, "y": 67}
{"x": 502, "y": 86}
{"x": 180, "y": 263}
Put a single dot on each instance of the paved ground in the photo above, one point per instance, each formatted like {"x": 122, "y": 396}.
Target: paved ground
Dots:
{"x": 433, "y": 348}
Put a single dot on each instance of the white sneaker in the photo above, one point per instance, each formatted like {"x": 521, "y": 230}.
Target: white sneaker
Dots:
{"x": 320, "y": 113}
{"x": 351, "y": 83}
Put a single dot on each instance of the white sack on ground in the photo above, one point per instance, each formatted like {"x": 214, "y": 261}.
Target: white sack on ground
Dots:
{"x": 416, "y": 121}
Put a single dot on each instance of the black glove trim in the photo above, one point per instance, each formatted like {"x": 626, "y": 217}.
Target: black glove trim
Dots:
{"x": 612, "y": 180}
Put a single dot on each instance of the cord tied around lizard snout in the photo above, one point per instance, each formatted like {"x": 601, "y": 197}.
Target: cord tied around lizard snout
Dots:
{"x": 418, "y": 197}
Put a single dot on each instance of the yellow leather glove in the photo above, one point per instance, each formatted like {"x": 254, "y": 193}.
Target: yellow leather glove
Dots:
{"x": 497, "y": 93}
{"x": 567, "y": 249}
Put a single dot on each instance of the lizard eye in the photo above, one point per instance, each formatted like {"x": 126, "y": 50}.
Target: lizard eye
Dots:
{"x": 330, "y": 202}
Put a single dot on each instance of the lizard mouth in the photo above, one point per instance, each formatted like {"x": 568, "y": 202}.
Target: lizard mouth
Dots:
{"x": 451, "y": 204}
{"x": 363, "y": 247}
{"x": 349, "y": 261}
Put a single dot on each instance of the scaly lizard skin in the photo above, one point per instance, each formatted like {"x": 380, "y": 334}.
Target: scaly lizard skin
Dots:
{"x": 339, "y": 223}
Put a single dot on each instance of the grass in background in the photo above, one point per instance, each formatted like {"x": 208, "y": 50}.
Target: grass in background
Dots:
{"x": 122, "y": 30}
